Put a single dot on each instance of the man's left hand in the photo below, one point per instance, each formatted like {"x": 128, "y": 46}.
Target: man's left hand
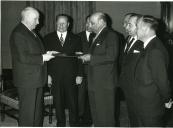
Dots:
{"x": 169, "y": 104}
{"x": 79, "y": 80}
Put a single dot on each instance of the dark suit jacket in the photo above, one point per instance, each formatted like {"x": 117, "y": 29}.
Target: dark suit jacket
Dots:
{"x": 103, "y": 64}
{"x": 126, "y": 79}
{"x": 26, "y": 50}
{"x": 85, "y": 44}
{"x": 127, "y": 65}
{"x": 151, "y": 81}
{"x": 85, "y": 48}
{"x": 67, "y": 65}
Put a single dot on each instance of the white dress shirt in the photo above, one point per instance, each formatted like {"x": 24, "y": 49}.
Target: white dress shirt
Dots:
{"x": 87, "y": 35}
{"x": 64, "y": 34}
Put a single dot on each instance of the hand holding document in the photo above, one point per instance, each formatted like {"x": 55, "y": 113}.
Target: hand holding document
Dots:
{"x": 85, "y": 58}
{"x": 49, "y": 55}
{"x": 52, "y": 52}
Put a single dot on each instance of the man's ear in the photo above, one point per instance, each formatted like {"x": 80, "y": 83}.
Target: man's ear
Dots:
{"x": 68, "y": 24}
{"x": 101, "y": 21}
{"x": 146, "y": 29}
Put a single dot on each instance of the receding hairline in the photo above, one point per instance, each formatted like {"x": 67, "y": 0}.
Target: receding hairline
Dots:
{"x": 100, "y": 16}
{"x": 62, "y": 16}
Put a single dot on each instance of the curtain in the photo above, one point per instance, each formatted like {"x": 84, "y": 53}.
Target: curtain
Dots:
{"x": 165, "y": 13}
{"x": 165, "y": 31}
{"x": 78, "y": 10}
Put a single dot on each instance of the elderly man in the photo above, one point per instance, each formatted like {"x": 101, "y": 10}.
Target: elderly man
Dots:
{"x": 64, "y": 70}
{"x": 128, "y": 65}
{"x": 29, "y": 69}
{"x": 126, "y": 20}
{"x": 102, "y": 76}
{"x": 152, "y": 91}
{"x": 129, "y": 27}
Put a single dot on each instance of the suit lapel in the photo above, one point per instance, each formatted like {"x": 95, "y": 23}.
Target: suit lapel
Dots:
{"x": 99, "y": 39}
{"x": 57, "y": 43}
{"x": 34, "y": 37}
{"x": 143, "y": 53}
{"x": 67, "y": 40}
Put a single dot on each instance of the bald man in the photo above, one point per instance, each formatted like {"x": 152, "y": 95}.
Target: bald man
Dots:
{"x": 102, "y": 76}
{"x": 29, "y": 68}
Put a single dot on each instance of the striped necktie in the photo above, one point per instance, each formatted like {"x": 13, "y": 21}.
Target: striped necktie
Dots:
{"x": 61, "y": 39}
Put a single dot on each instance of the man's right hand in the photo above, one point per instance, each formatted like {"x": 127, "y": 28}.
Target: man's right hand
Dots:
{"x": 47, "y": 57}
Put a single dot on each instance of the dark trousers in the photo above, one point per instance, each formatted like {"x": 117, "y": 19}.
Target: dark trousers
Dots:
{"x": 84, "y": 113}
{"x": 102, "y": 102}
{"x": 30, "y": 107}
{"x": 134, "y": 122}
{"x": 148, "y": 121}
{"x": 137, "y": 120}
{"x": 64, "y": 92}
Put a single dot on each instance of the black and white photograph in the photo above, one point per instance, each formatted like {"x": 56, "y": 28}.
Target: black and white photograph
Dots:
{"x": 86, "y": 63}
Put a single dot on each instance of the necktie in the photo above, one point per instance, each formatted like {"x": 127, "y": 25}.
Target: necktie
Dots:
{"x": 129, "y": 44}
{"x": 61, "y": 40}
{"x": 91, "y": 36}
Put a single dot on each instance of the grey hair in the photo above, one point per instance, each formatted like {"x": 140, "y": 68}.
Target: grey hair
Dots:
{"x": 27, "y": 11}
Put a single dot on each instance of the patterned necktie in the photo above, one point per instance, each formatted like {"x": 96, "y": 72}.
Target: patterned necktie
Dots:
{"x": 61, "y": 39}
{"x": 129, "y": 44}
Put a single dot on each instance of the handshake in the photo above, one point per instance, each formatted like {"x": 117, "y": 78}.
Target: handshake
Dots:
{"x": 49, "y": 55}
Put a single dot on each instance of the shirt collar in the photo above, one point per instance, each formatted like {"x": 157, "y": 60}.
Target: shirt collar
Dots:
{"x": 87, "y": 32}
{"x": 87, "y": 35}
{"x": 135, "y": 38}
{"x": 148, "y": 40}
{"x": 63, "y": 34}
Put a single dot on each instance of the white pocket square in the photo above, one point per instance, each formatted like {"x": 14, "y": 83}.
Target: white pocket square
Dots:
{"x": 97, "y": 44}
{"x": 136, "y": 51}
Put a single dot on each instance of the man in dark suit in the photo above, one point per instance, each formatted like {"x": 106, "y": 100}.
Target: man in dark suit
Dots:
{"x": 129, "y": 28}
{"x": 29, "y": 69}
{"x": 151, "y": 85}
{"x": 102, "y": 76}
{"x": 127, "y": 66}
{"x": 64, "y": 70}
{"x": 84, "y": 112}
